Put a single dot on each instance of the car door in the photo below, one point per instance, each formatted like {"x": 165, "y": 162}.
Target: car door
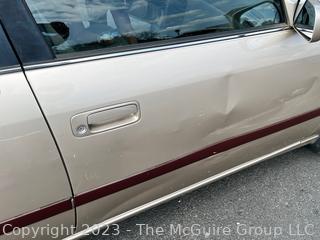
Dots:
{"x": 147, "y": 97}
{"x": 34, "y": 187}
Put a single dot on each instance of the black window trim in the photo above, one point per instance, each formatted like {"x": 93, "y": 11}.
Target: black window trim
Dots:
{"x": 23, "y": 32}
{"x": 49, "y": 60}
{"x": 8, "y": 57}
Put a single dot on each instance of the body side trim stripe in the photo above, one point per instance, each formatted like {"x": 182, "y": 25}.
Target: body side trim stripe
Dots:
{"x": 35, "y": 216}
{"x": 190, "y": 188}
{"x": 209, "y": 151}
{"x": 106, "y": 190}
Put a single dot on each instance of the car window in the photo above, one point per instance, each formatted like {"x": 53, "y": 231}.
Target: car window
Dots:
{"x": 71, "y": 26}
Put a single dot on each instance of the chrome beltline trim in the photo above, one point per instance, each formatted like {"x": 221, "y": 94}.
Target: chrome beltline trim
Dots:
{"x": 193, "y": 187}
{"x": 150, "y": 49}
{"x": 10, "y": 70}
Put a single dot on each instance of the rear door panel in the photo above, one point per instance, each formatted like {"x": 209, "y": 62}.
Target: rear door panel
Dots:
{"x": 32, "y": 176}
{"x": 32, "y": 173}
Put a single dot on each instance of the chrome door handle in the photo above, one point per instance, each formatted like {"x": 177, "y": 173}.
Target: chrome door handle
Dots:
{"x": 113, "y": 118}
{"x": 105, "y": 119}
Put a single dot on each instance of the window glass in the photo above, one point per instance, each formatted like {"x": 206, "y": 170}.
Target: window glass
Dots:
{"x": 82, "y": 25}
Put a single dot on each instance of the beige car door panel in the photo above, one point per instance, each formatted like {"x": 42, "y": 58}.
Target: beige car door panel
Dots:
{"x": 251, "y": 90}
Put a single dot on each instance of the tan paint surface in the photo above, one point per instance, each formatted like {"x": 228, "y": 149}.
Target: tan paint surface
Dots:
{"x": 31, "y": 172}
{"x": 121, "y": 202}
{"x": 190, "y": 98}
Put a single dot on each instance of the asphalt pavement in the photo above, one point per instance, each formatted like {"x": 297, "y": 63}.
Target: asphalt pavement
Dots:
{"x": 277, "y": 199}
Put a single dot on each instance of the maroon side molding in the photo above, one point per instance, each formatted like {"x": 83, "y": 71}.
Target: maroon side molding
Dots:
{"x": 212, "y": 150}
{"x": 95, "y": 194}
{"x": 36, "y": 216}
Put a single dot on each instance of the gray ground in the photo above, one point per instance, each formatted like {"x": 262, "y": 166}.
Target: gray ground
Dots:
{"x": 277, "y": 199}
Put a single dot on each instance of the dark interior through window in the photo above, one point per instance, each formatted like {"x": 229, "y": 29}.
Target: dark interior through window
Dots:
{"x": 82, "y": 25}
